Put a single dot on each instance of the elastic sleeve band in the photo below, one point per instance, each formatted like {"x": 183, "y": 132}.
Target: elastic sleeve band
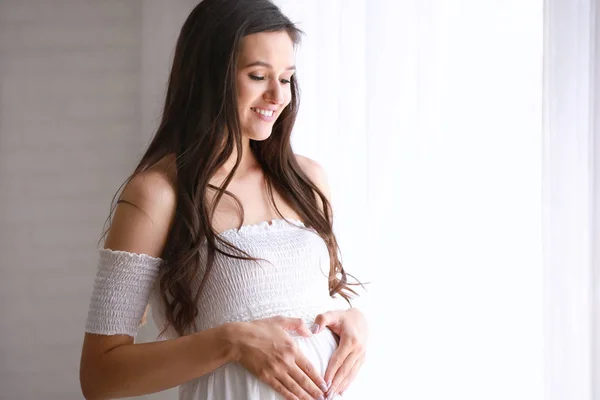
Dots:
{"x": 121, "y": 290}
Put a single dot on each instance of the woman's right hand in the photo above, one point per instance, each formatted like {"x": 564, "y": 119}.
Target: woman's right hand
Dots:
{"x": 265, "y": 349}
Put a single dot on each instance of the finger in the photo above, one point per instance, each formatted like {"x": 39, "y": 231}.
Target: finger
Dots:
{"x": 337, "y": 359}
{"x": 280, "y": 388}
{"x": 351, "y": 375}
{"x": 328, "y": 318}
{"x": 308, "y": 370}
{"x": 295, "y": 324}
{"x": 343, "y": 372}
{"x": 294, "y": 387}
{"x": 307, "y": 383}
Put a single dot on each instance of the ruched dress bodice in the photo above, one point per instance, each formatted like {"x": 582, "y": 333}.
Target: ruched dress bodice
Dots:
{"x": 291, "y": 280}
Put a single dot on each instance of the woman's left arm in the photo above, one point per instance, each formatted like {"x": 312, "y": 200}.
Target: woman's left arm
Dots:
{"x": 351, "y": 326}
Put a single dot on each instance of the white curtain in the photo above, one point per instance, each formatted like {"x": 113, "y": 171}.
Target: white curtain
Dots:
{"x": 428, "y": 119}
{"x": 427, "y": 116}
{"x": 571, "y": 201}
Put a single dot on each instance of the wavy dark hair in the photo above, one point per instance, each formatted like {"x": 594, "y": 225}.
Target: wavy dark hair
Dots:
{"x": 200, "y": 126}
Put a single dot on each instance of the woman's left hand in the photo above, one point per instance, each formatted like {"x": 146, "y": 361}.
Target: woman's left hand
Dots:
{"x": 351, "y": 326}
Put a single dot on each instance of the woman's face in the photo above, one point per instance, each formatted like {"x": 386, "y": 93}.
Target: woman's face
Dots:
{"x": 265, "y": 67}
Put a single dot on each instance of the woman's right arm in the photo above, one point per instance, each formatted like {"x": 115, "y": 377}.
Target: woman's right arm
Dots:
{"x": 113, "y": 367}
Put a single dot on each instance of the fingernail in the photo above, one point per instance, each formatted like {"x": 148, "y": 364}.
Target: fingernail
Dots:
{"x": 323, "y": 387}
{"x": 315, "y": 328}
{"x": 321, "y": 398}
{"x": 328, "y": 384}
{"x": 331, "y": 396}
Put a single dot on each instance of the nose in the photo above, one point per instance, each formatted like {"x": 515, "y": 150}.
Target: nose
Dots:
{"x": 274, "y": 94}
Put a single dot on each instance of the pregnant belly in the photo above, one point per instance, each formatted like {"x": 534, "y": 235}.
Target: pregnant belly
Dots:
{"x": 234, "y": 382}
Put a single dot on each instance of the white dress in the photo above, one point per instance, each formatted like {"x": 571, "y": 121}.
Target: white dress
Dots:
{"x": 294, "y": 283}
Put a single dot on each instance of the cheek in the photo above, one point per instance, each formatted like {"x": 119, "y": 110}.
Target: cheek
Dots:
{"x": 244, "y": 93}
{"x": 242, "y": 96}
{"x": 287, "y": 97}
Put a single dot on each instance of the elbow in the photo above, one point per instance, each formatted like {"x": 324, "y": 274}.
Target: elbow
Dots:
{"x": 90, "y": 393}
{"x": 98, "y": 384}
{"x": 90, "y": 388}
{"x": 88, "y": 396}
{"x": 87, "y": 390}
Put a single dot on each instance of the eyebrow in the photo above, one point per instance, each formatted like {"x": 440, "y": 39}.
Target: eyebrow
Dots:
{"x": 267, "y": 65}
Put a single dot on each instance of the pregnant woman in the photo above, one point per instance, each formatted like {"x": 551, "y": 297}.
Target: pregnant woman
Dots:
{"x": 226, "y": 234}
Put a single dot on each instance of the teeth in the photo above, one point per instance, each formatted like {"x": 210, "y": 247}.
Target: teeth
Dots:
{"x": 266, "y": 113}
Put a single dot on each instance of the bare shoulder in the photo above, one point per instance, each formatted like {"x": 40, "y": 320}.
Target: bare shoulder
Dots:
{"x": 145, "y": 212}
{"x": 316, "y": 173}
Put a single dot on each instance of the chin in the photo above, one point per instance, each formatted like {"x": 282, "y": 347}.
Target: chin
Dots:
{"x": 260, "y": 136}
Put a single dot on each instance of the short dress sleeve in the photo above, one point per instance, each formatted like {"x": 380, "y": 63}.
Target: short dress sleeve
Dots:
{"x": 121, "y": 291}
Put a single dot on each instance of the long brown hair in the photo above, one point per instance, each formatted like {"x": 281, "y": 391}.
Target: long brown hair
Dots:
{"x": 200, "y": 126}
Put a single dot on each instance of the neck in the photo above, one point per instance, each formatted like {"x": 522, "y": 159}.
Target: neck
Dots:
{"x": 248, "y": 163}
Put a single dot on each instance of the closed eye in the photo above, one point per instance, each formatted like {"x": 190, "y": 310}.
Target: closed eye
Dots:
{"x": 262, "y": 78}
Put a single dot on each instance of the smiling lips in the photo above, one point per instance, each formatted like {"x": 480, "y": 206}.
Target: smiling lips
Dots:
{"x": 266, "y": 114}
